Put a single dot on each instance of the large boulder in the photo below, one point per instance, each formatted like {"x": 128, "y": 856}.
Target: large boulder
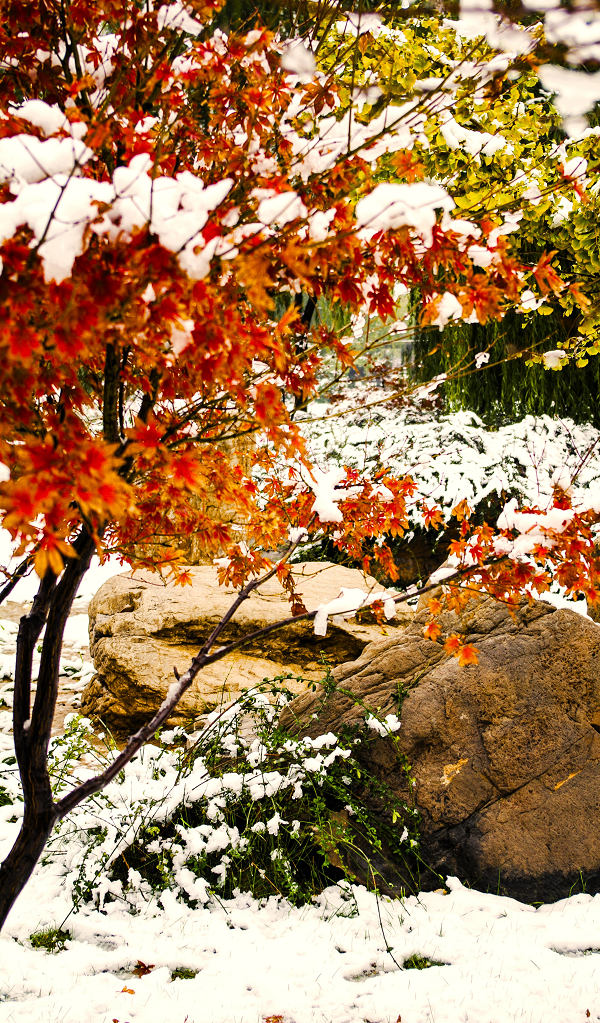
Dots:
{"x": 141, "y": 629}
{"x": 505, "y": 754}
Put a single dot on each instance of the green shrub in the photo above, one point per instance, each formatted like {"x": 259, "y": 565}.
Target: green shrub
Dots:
{"x": 417, "y": 962}
{"x": 241, "y": 806}
{"x": 278, "y": 815}
{"x": 53, "y": 939}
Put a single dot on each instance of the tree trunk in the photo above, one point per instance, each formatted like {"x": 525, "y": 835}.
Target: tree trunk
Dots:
{"x": 19, "y": 865}
{"x": 32, "y": 726}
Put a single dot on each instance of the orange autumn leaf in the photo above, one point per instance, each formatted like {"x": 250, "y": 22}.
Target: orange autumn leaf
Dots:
{"x": 432, "y": 516}
{"x": 461, "y": 510}
{"x": 184, "y": 578}
{"x": 51, "y": 556}
{"x": 467, "y": 654}
{"x": 582, "y": 300}
{"x": 432, "y": 631}
{"x": 452, "y": 644}
{"x": 546, "y": 276}
{"x": 286, "y": 321}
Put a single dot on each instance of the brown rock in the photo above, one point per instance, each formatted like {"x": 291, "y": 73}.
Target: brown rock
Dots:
{"x": 505, "y": 754}
{"x": 140, "y": 630}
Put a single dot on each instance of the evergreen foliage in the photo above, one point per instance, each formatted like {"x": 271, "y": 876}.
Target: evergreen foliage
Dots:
{"x": 509, "y": 387}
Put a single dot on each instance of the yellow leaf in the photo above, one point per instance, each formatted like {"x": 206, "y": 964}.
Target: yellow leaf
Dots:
{"x": 55, "y": 560}
{"x": 559, "y": 784}
{"x": 40, "y": 562}
{"x": 451, "y": 770}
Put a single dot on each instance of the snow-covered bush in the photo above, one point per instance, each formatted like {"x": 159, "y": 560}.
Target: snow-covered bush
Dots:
{"x": 451, "y": 458}
{"x": 241, "y": 805}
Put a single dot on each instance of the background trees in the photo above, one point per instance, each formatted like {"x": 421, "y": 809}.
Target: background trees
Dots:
{"x": 174, "y": 200}
{"x": 494, "y": 137}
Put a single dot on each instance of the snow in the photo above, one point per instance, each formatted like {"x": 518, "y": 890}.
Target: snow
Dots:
{"x": 74, "y": 200}
{"x": 398, "y": 126}
{"x": 325, "y": 485}
{"x": 358, "y": 24}
{"x": 554, "y": 359}
{"x": 478, "y": 19}
{"x": 335, "y": 961}
{"x": 348, "y": 602}
{"x": 60, "y": 206}
{"x": 298, "y": 59}
{"x": 454, "y": 456}
{"x": 175, "y": 17}
{"x": 477, "y": 143}
{"x": 281, "y": 208}
{"x": 27, "y": 159}
{"x": 48, "y": 117}
{"x": 448, "y": 308}
{"x": 575, "y": 93}
{"x": 390, "y": 206}
{"x": 579, "y": 30}
{"x": 390, "y": 723}
{"x": 534, "y": 529}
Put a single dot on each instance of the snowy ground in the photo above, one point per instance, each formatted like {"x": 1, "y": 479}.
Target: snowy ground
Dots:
{"x": 333, "y": 962}
{"x": 344, "y": 959}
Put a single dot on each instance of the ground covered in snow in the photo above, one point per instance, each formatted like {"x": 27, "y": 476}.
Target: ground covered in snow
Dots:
{"x": 337, "y": 961}
{"x": 136, "y": 955}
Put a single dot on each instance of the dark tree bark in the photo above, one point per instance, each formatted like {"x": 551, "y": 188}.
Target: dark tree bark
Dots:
{"x": 20, "y": 863}
{"x": 32, "y": 727}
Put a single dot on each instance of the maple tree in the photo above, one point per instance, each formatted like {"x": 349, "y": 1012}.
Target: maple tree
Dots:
{"x": 173, "y": 203}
